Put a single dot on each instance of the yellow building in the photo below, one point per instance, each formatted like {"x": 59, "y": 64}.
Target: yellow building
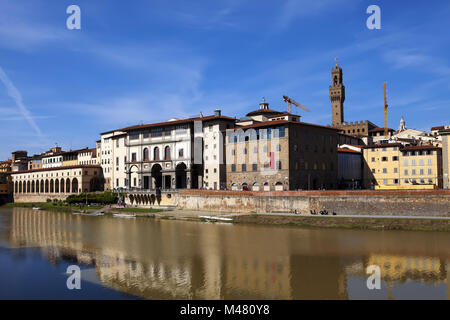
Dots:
{"x": 394, "y": 166}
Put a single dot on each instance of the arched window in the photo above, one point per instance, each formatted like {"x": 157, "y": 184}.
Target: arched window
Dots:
{"x": 167, "y": 153}
{"x": 145, "y": 155}
{"x": 156, "y": 153}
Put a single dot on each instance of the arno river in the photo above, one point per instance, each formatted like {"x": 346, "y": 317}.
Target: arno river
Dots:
{"x": 162, "y": 259}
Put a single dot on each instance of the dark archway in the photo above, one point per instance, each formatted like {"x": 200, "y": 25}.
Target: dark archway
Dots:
{"x": 157, "y": 176}
{"x": 56, "y": 186}
{"x": 28, "y": 187}
{"x": 95, "y": 185}
{"x": 32, "y": 187}
{"x": 67, "y": 185}
{"x": 51, "y": 186}
{"x": 62, "y": 186}
{"x": 41, "y": 189}
{"x": 46, "y": 186}
{"x": 180, "y": 176}
{"x": 16, "y": 187}
{"x": 74, "y": 185}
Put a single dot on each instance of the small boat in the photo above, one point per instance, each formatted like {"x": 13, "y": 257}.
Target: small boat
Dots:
{"x": 119, "y": 215}
{"x": 37, "y": 208}
{"x": 209, "y": 218}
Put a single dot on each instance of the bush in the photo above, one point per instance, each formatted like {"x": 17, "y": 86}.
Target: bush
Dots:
{"x": 49, "y": 200}
{"x": 106, "y": 197}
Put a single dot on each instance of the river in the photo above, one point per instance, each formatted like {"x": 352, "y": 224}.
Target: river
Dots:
{"x": 146, "y": 258}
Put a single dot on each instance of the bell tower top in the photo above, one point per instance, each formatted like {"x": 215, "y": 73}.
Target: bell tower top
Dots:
{"x": 337, "y": 95}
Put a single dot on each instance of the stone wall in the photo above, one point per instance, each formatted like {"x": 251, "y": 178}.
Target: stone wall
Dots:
{"x": 22, "y": 198}
{"x": 395, "y": 203}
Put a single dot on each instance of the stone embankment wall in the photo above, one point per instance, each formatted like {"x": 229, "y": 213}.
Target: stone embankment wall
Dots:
{"x": 22, "y": 198}
{"x": 366, "y": 202}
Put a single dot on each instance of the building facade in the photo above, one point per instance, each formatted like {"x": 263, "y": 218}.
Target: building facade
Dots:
{"x": 394, "y": 166}
{"x": 281, "y": 155}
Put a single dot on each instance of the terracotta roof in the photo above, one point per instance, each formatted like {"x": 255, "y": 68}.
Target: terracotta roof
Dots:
{"x": 422, "y": 147}
{"x": 348, "y": 151}
{"x": 168, "y": 123}
{"x": 59, "y": 168}
{"x": 383, "y": 145}
{"x": 279, "y": 122}
{"x": 437, "y": 128}
{"x": 444, "y": 130}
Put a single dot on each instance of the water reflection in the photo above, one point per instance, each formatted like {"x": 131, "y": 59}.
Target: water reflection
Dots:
{"x": 162, "y": 259}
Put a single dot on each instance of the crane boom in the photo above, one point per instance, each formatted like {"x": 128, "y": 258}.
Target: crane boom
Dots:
{"x": 385, "y": 114}
{"x": 291, "y": 102}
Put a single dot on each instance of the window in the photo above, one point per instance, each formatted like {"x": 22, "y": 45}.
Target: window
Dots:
{"x": 384, "y": 170}
{"x": 133, "y": 157}
{"x": 413, "y": 172}
{"x": 421, "y": 163}
{"x": 156, "y": 153}
{"x": 395, "y": 158}
{"x": 421, "y": 172}
{"x": 233, "y": 152}
{"x": 146, "y": 134}
{"x": 413, "y": 162}
{"x": 265, "y": 148}
{"x": 244, "y": 167}
{"x": 145, "y": 154}
{"x": 279, "y": 147}
{"x": 373, "y": 159}
{"x": 167, "y": 153}
{"x": 430, "y": 162}
{"x": 255, "y": 167}
{"x": 395, "y": 170}
{"x": 255, "y": 150}
{"x": 279, "y": 165}
{"x": 385, "y": 181}
{"x": 395, "y": 181}
{"x": 405, "y": 162}
{"x": 181, "y": 153}
{"x": 430, "y": 171}
{"x": 406, "y": 172}
{"x": 384, "y": 159}
{"x": 134, "y": 136}
{"x": 233, "y": 168}
{"x": 156, "y": 132}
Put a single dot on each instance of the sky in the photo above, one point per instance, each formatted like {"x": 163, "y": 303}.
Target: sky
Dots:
{"x": 145, "y": 61}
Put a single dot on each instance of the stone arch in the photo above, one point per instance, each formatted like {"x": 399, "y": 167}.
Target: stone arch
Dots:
{"x": 67, "y": 185}
{"x": 266, "y": 186}
{"x": 181, "y": 176}
{"x": 56, "y": 186}
{"x": 245, "y": 186}
{"x": 16, "y": 187}
{"x": 234, "y": 186}
{"x": 255, "y": 186}
{"x": 28, "y": 187}
{"x": 46, "y": 186}
{"x": 61, "y": 186}
{"x": 131, "y": 197}
{"x": 42, "y": 188}
{"x": 74, "y": 185}
{"x": 157, "y": 176}
{"x": 32, "y": 187}
{"x": 52, "y": 186}
{"x": 279, "y": 186}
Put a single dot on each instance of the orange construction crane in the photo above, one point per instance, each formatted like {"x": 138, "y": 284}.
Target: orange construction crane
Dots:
{"x": 385, "y": 114}
{"x": 291, "y": 102}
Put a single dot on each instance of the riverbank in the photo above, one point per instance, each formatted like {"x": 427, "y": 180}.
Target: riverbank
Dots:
{"x": 441, "y": 224}
{"x": 51, "y": 206}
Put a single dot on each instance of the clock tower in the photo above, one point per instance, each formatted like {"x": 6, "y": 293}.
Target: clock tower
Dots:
{"x": 337, "y": 96}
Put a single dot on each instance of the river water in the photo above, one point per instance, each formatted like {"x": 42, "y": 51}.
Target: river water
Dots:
{"x": 145, "y": 258}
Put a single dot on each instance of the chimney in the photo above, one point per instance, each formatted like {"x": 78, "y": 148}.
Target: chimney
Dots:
{"x": 217, "y": 112}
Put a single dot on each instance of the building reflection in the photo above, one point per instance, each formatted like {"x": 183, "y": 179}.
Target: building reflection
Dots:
{"x": 160, "y": 259}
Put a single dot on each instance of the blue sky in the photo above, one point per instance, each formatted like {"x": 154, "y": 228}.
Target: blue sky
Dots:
{"x": 147, "y": 61}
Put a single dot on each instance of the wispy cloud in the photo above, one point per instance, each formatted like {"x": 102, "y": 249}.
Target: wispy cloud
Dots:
{"x": 14, "y": 93}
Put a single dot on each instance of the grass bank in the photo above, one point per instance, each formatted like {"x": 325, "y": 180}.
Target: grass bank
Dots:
{"x": 348, "y": 223}
{"x": 51, "y": 206}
